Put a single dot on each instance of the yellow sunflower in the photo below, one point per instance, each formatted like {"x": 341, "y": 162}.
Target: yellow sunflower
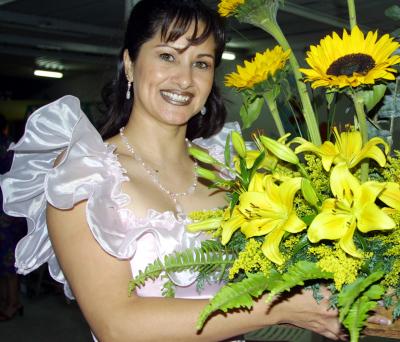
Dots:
{"x": 263, "y": 66}
{"x": 352, "y": 60}
{"x": 227, "y": 7}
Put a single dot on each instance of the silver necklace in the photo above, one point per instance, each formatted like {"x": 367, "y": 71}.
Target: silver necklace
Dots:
{"x": 153, "y": 174}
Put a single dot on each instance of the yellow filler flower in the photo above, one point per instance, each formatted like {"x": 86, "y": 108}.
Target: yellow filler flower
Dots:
{"x": 227, "y": 8}
{"x": 347, "y": 149}
{"x": 267, "y": 209}
{"x": 352, "y": 60}
{"x": 262, "y": 67}
{"x": 354, "y": 207}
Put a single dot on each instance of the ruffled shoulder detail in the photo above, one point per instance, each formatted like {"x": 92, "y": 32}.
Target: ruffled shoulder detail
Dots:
{"x": 88, "y": 170}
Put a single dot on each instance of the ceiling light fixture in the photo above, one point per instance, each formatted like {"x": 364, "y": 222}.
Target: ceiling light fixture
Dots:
{"x": 47, "y": 73}
{"x": 229, "y": 56}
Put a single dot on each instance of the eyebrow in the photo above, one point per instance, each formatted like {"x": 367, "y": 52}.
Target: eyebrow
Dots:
{"x": 180, "y": 50}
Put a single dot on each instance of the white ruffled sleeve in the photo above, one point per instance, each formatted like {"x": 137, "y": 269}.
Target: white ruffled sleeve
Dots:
{"x": 88, "y": 171}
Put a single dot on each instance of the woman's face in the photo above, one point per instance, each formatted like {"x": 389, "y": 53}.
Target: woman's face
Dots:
{"x": 172, "y": 80}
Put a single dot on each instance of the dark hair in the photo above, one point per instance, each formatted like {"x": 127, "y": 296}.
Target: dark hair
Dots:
{"x": 173, "y": 18}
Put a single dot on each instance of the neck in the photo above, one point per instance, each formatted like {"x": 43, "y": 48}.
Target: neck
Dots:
{"x": 160, "y": 144}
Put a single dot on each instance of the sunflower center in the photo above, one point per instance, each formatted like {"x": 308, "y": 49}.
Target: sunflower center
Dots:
{"x": 354, "y": 63}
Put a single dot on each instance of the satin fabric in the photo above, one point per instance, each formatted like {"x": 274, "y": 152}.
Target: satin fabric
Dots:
{"x": 89, "y": 170}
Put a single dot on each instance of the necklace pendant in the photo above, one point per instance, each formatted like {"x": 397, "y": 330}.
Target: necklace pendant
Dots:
{"x": 154, "y": 174}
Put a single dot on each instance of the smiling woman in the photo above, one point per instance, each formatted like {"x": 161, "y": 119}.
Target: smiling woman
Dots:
{"x": 100, "y": 211}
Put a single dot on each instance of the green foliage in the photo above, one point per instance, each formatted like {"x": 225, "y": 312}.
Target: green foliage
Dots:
{"x": 349, "y": 294}
{"x": 393, "y": 12}
{"x": 227, "y": 150}
{"x": 396, "y": 311}
{"x": 250, "y": 110}
{"x": 211, "y": 257}
{"x": 168, "y": 289}
{"x": 294, "y": 276}
{"x": 391, "y": 104}
{"x": 374, "y": 96}
{"x": 235, "y": 295}
{"x": 358, "y": 312}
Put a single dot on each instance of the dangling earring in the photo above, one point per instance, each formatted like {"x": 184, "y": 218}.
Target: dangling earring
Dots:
{"x": 128, "y": 91}
{"x": 203, "y": 111}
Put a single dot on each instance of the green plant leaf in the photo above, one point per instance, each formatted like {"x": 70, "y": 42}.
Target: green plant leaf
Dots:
{"x": 374, "y": 96}
{"x": 257, "y": 162}
{"x": 235, "y": 295}
{"x": 396, "y": 311}
{"x": 227, "y": 150}
{"x": 358, "y": 312}
{"x": 351, "y": 292}
{"x": 296, "y": 275}
{"x": 330, "y": 97}
{"x": 391, "y": 106}
{"x": 244, "y": 173}
{"x": 393, "y": 12}
{"x": 250, "y": 110}
{"x": 209, "y": 258}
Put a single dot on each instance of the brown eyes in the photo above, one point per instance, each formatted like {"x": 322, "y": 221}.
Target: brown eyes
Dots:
{"x": 167, "y": 57}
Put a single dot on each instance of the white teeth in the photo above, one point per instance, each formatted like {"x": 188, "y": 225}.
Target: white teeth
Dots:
{"x": 176, "y": 97}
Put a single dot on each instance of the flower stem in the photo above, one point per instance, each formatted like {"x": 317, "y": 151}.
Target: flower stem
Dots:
{"x": 308, "y": 111}
{"x": 352, "y": 13}
{"x": 362, "y": 122}
{"x": 271, "y": 103}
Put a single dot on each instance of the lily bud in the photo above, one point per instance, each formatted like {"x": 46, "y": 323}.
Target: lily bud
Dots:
{"x": 280, "y": 150}
{"x": 207, "y": 174}
{"x": 201, "y": 155}
{"x": 238, "y": 144}
{"x": 308, "y": 192}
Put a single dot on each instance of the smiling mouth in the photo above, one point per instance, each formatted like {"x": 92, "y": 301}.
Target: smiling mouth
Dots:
{"x": 175, "y": 98}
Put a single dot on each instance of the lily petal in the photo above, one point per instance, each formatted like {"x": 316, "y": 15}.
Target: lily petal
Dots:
{"x": 328, "y": 226}
{"x": 347, "y": 242}
{"x": 257, "y": 182}
{"x": 370, "y": 151}
{"x": 371, "y": 217}
{"x": 343, "y": 184}
{"x": 231, "y": 225}
{"x": 287, "y": 191}
{"x": 270, "y": 246}
{"x": 391, "y": 195}
{"x": 294, "y": 224}
{"x": 260, "y": 227}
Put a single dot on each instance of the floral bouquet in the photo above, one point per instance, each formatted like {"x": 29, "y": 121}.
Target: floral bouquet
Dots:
{"x": 302, "y": 212}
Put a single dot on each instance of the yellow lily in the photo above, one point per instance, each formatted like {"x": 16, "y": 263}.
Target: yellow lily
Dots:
{"x": 354, "y": 207}
{"x": 231, "y": 224}
{"x": 390, "y": 194}
{"x": 268, "y": 210}
{"x": 347, "y": 149}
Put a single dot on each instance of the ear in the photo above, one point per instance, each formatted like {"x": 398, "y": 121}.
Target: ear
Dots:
{"x": 128, "y": 66}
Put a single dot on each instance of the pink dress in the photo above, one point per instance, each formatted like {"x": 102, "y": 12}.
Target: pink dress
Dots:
{"x": 90, "y": 171}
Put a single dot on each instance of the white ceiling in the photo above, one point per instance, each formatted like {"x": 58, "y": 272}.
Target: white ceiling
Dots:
{"x": 77, "y": 35}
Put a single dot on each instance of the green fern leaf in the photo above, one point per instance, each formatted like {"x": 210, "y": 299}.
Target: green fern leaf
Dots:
{"x": 235, "y": 295}
{"x": 168, "y": 289}
{"x": 295, "y": 275}
{"x": 152, "y": 271}
{"x": 358, "y": 313}
{"x": 351, "y": 292}
{"x": 208, "y": 258}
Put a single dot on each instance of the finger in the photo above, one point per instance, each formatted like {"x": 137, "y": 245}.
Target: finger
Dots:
{"x": 379, "y": 319}
{"x": 331, "y": 335}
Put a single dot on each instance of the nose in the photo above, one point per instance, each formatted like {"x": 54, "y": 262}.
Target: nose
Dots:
{"x": 184, "y": 77}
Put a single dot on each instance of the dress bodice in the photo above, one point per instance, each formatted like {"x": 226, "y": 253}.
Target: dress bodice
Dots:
{"x": 89, "y": 171}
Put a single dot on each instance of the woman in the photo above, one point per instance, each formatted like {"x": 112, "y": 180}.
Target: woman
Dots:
{"x": 111, "y": 208}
